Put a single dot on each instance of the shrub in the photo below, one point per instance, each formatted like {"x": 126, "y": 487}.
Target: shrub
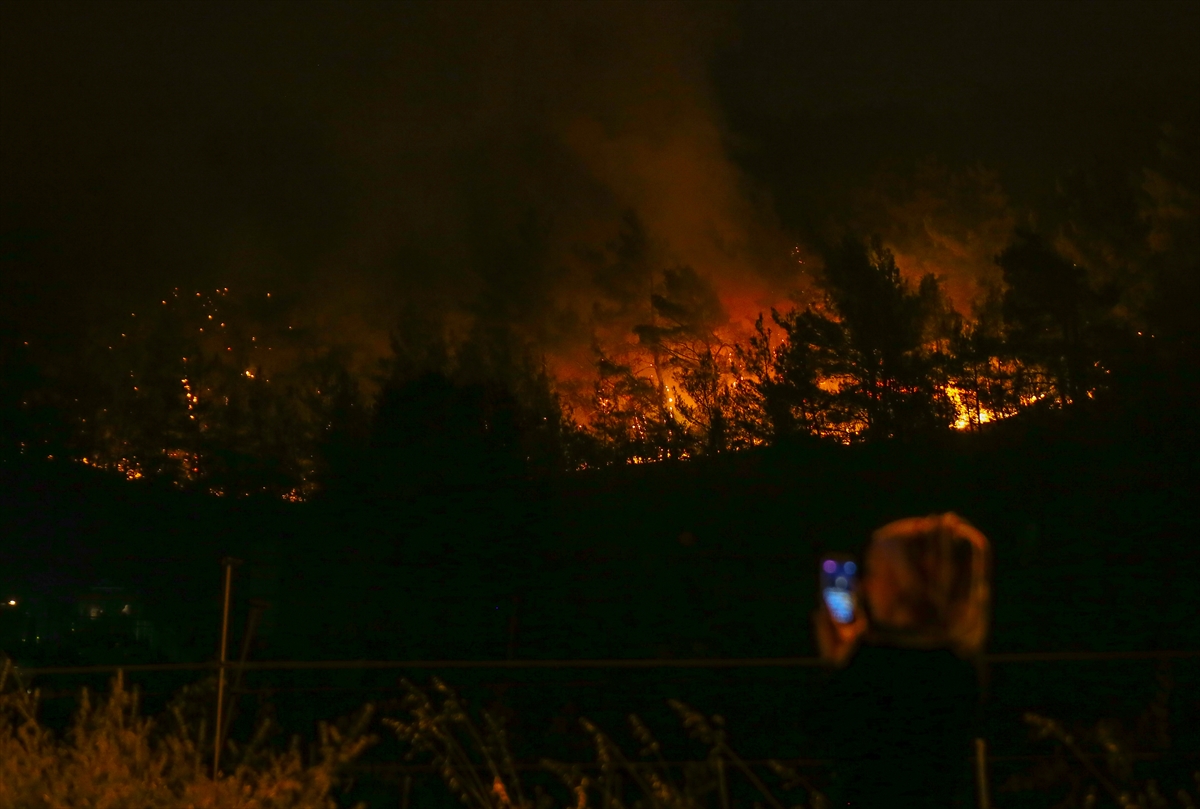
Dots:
{"x": 1095, "y": 763}
{"x": 112, "y": 758}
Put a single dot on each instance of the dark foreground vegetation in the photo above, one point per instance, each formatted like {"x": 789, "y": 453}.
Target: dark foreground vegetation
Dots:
{"x": 113, "y": 755}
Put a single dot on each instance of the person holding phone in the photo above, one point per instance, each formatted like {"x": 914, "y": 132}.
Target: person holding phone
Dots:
{"x": 903, "y": 634}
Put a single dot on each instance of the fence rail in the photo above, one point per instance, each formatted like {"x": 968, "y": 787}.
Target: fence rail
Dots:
{"x": 387, "y": 768}
{"x": 601, "y": 663}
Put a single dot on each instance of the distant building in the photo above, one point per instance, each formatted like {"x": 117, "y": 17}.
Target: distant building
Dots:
{"x": 112, "y": 612}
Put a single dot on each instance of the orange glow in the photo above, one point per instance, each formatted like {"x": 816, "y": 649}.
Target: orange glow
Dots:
{"x": 965, "y": 416}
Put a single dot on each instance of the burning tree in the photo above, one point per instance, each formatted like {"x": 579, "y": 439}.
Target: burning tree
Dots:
{"x": 686, "y": 352}
{"x": 633, "y": 419}
{"x": 216, "y": 392}
{"x": 876, "y": 359}
{"x": 209, "y": 390}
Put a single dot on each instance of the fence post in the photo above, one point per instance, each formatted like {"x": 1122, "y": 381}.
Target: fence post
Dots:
{"x": 228, "y": 562}
{"x": 257, "y": 606}
{"x": 981, "y": 780}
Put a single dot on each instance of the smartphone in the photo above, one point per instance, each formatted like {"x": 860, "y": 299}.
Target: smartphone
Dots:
{"x": 839, "y": 586}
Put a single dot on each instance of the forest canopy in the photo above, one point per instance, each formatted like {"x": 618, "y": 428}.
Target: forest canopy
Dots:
{"x": 200, "y": 392}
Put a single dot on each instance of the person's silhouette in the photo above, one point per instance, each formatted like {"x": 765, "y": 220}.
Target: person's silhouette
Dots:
{"x": 904, "y": 700}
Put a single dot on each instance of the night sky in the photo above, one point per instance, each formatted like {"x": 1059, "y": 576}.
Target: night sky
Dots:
{"x": 381, "y": 165}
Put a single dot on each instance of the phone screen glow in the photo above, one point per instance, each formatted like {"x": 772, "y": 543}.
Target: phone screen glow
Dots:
{"x": 838, "y": 581}
{"x": 841, "y": 605}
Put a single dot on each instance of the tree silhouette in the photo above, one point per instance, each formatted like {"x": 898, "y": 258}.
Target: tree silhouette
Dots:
{"x": 184, "y": 391}
{"x": 806, "y": 391}
{"x": 632, "y": 420}
{"x": 759, "y": 413}
{"x": 482, "y": 411}
{"x": 430, "y": 431}
{"x": 892, "y": 377}
{"x": 682, "y": 341}
{"x": 340, "y": 441}
{"x": 986, "y": 370}
{"x": 1046, "y": 310}
{"x": 32, "y": 415}
{"x": 496, "y": 357}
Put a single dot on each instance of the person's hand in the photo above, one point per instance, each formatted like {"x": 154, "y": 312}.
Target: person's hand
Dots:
{"x": 836, "y": 642}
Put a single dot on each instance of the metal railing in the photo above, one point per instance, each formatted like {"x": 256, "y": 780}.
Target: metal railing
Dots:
{"x": 1003, "y": 658}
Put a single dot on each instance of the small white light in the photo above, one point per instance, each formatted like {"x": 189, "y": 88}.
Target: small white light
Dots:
{"x": 12, "y": 602}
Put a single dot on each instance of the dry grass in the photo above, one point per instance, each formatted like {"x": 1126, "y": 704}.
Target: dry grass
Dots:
{"x": 1094, "y": 763}
{"x": 1090, "y": 783}
{"x": 477, "y": 766}
{"x": 113, "y": 758}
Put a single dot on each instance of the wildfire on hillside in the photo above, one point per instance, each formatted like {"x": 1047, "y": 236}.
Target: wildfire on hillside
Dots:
{"x": 206, "y": 400}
